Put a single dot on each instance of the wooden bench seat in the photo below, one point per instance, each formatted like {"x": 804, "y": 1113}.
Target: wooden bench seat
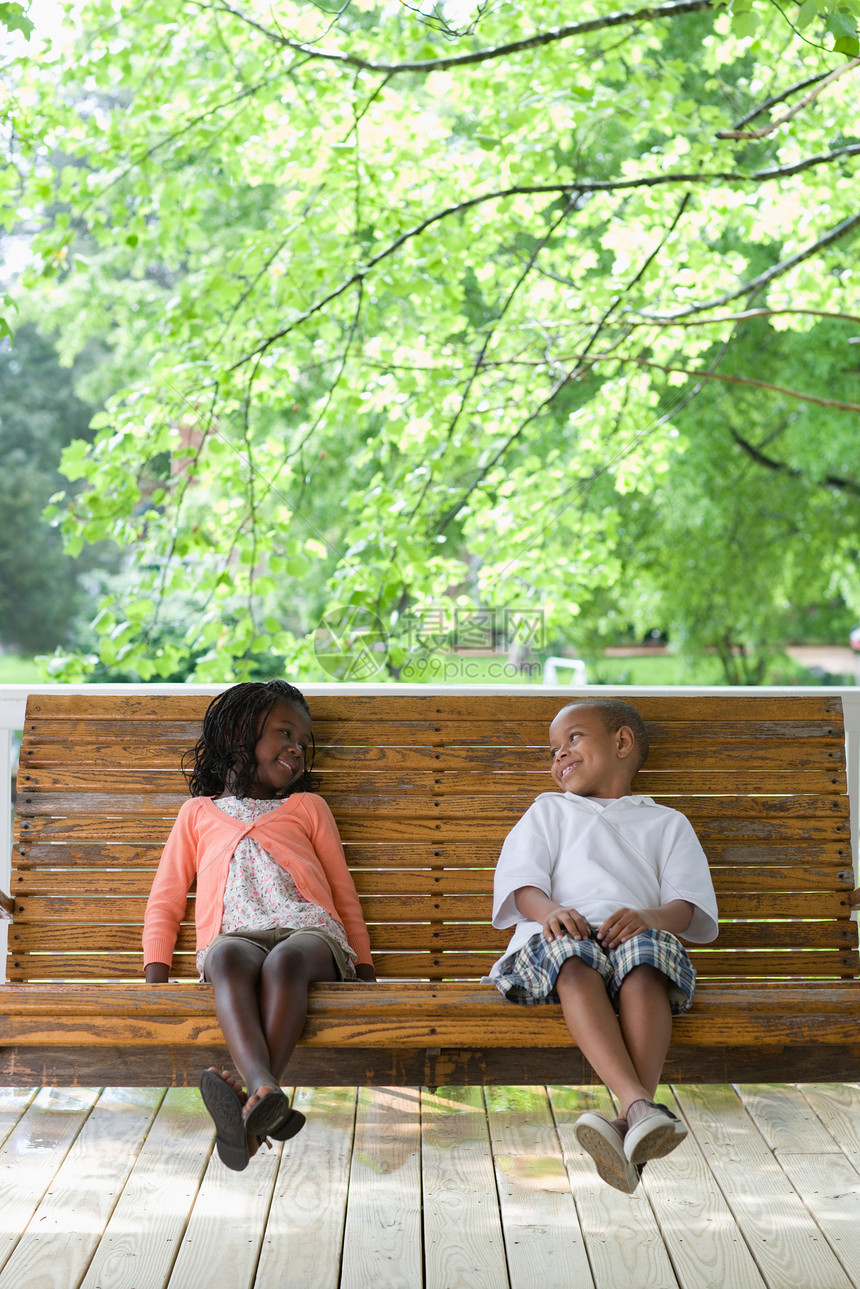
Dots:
{"x": 424, "y": 788}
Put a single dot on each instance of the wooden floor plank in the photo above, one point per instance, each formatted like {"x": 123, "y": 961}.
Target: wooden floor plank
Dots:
{"x": 382, "y": 1239}
{"x": 622, "y": 1237}
{"x": 778, "y": 1228}
{"x": 462, "y": 1229}
{"x": 221, "y": 1245}
{"x": 13, "y": 1104}
{"x": 306, "y": 1223}
{"x": 32, "y": 1155}
{"x": 838, "y": 1107}
{"x": 64, "y": 1232}
{"x": 543, "y": 1242}
{"x": 141, "y": 1240}
{"x": 785, "y": 1119}
{"x": 829, "y": 1186}
{"x": 696, "y": 1224}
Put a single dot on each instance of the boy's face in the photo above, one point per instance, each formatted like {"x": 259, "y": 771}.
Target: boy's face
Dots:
{"x": 587, "y": 758}
{"x": 282, "y": 744}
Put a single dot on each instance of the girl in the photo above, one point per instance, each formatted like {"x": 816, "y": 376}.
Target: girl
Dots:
{"x": 276, "y": 908}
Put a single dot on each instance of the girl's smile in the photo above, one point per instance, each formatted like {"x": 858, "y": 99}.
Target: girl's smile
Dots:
{"x": 281, "y": 749}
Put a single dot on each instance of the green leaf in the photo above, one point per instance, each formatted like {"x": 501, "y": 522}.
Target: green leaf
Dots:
{"x": 806, "y": 14}
{"x": 13, "y": 18}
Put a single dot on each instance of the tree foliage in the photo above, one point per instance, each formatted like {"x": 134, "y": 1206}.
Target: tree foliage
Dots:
{"x": 419, "y": 309}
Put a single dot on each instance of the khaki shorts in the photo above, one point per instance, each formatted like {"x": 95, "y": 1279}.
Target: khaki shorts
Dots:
{"x": 267, "y": 940}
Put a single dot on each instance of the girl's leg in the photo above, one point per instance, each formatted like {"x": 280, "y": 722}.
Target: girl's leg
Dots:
{"x": 597, "y": 1032}
{"x": 289, "y": 970}
{"x": 234, "y": 968}
{"x": 645, "y": 1017}
{"x": 261, "y": 1002}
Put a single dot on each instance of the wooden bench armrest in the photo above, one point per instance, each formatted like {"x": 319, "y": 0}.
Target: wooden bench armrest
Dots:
{"x": 7, "y": 907}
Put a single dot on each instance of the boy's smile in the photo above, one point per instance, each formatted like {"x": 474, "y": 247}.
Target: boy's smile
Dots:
{"x": 281, "y": 748}
{"x": 587, "y": 758}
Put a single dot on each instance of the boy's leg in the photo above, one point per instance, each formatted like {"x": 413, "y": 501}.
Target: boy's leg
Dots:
{"x": 597, "y": 1031}
{"x": 645, "y": 1017}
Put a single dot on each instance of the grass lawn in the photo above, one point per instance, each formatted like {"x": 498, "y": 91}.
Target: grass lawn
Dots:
{"x": 462, "y": 669}
{"x": 15, "y": 670}
{"x": 648, "y": 668}
{"x": 654, "y": 669}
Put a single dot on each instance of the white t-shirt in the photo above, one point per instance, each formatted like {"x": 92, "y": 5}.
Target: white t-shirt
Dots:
{"x": 598, "y": 856}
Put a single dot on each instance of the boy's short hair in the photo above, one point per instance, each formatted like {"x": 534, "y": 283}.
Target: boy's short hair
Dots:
{"x": 615, "y": 713}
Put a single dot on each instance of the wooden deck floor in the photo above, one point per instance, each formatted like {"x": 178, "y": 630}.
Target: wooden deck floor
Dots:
{"x": 401, "y": 1189}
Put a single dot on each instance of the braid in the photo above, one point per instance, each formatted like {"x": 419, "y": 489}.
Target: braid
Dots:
{"x": 224, "y": 753}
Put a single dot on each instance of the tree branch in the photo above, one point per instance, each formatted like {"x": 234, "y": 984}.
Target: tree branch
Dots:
{"x": 568, "y": 376}
{"x": 798, "y": 107}
{"x": 651, "y": 13}
{"x": 781, "y": 467}
{"x": 758, "y": 283}
{"x": 836, "y": 403}
{"x": 649, "y": 181}
{"x": 745, "y": 316}
{"x": 779, "y": 98}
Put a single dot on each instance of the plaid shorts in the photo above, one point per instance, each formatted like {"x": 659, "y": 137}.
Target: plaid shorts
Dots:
{"x": 529, "y": 975}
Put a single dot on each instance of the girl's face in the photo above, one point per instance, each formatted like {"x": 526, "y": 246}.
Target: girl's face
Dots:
{"x": 281, "y": 748}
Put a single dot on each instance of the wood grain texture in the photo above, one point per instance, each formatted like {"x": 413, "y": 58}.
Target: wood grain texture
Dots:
{"x": 561, "y": 1227}
{"x": 543, "y": 1239}
{"x": 695, "y": 1221}
{"x": 463, "y": 1240}
{"x": 777, "y": 1226}
{"x": 382, "y": 1237}
{"x": 305, "y": 1226}
{"x": 141, "y": 1240}
{"x": 621, "y": 1232}
{"x": 424, "y": 787}
{"x": 221, "y": 1244}
{"x": 52, "y": 1252}
{"x": 31, "y": 1156}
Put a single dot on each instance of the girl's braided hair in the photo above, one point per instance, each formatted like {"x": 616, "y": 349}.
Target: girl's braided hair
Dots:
{"x": 224, "y": 754}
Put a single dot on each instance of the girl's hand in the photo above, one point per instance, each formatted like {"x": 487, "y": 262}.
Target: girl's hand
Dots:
{"x": 622, "y": 925}
{"x": 561, "y": 921}
{"x": 157, "y": 973}
{"x": 364, "y": 971}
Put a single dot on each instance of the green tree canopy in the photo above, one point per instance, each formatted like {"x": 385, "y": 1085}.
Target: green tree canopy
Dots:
{"x": 450, "y": 306}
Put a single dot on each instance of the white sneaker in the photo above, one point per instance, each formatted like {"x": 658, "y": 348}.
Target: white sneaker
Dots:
{"x": 652, "y": 1132}
{"x": 604, "y": 1141}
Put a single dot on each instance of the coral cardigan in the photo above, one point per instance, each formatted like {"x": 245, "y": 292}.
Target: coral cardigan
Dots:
{"x": 300, "y": 835}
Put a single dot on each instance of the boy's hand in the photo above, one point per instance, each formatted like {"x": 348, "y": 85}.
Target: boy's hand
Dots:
{"x": 561, "y": 921}
{"x": 622, "y": 925}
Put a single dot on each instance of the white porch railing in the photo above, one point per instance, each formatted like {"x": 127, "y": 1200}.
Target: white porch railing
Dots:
{"x": 13, "y": 702}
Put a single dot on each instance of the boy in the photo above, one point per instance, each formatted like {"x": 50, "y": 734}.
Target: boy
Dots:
{"x": 599, "y": 884}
